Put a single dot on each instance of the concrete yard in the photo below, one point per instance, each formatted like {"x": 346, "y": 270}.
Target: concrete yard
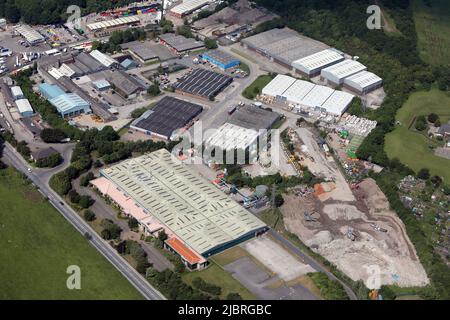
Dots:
{"x": 276, "y": 258}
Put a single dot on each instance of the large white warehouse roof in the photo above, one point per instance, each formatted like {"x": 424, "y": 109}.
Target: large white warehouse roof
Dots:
{"x": 105, "y": 60}
{"x": 113, "y": 23}
{"x": 230, "y": 136}
{"x": 363, "y": 80}
{"x": 278, "y": 85}
{"x": 188, "y": 6}
{"x": 342, "y": 70}
{"x": 338, "y": 102}
{"x": 318, "y": 60}
{"x": 308, "y": 94}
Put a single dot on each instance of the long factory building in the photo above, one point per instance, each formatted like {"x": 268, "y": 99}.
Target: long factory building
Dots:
{"x": 162, "y": 193}
{"x": 308, "y": 95}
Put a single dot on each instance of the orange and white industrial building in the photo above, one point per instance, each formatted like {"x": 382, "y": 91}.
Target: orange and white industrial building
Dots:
{"x": 162, "y": 193}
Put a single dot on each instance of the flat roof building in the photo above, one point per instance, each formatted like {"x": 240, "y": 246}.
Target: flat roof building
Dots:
{"x": 278, "y": 85}
{"x": 70, "y": 104}
{"x": 232, "y": 137}
{"x": 338, "y": 72}
{"x": 30, "y": 35}
{"x": 166, "y": 117}
{"x": 187, "y": 7}
{"x": 88, "y": 64}
{"x": 311, "y": 65}
{"x": 220, "y": 59}
{"x": 101, "y": 85}
{"x": 337, "y": 103}
{"x": 17, "y": 93}
{"x": 363, "y": 82}
{"x": 202, "y": 83}
{"x": 24, "y": 107}
{"x": 173, "y": 195}
{"x": 253, "y": 117}
{"x": 180, "y": 44}
{"x": 283, "y": 46}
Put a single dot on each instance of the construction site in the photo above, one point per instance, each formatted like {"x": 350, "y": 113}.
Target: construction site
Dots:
{"x": 350, "y": 224}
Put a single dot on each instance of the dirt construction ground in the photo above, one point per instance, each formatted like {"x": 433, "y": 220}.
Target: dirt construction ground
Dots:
{"x": 387, "y": 254}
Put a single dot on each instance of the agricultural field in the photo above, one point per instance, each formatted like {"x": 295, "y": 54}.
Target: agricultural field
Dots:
{"x": 38, "y": 245}
{"x": 412, "y": 148}
{"x": 433, "y": 30}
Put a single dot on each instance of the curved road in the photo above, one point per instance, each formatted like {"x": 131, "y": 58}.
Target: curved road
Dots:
{"x": 136, "y": 279}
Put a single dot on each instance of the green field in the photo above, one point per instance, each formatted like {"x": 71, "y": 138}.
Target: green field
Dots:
{"x": 255, "y": 88}
{"x": 411, "y": 147}
{"x": 38, "y": 245}
{"x": 214, "y": 274}
{"x": 433, "y": 30}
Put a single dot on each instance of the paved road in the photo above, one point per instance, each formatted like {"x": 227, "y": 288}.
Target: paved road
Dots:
{"x": 102, "y": 246}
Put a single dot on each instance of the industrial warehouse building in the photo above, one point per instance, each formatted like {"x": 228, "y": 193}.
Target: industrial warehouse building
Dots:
{"x": 311, "y": 65}
{"x": 124, "y": 84}
{"x": 101, "y": 85}
{"x": 242, "y": 130}
{"x": 104, "y": 27}
{"x": 167, "y": 116}
{"x": 104, "y": 59}
{"x": 24, "y": 107}
{"x": 163, "y": 194}
{"x": 336, "y": 74}
{"x": 283, "y": 46}
{"x": 29, "y": 34}
{"x": 307, "y": 95}
{"x": 180, "y": 44}
{"x": 187, "y": 7}
{"x": 202, "y": 83}
{"x": 221, "y": 59}
{"x": 363, "y": 82}
{"x": 17, "y": 93}
{"x": 67, "y": 104}
{"x": 147, "y": 51}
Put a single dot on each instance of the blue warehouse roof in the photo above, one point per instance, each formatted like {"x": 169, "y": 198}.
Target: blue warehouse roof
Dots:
{"x": 220, "y": 57}
{"x": 69, "y": 102}
{"x": 50, "y": 91}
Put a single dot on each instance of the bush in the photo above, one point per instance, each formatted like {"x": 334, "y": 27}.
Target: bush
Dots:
{"x": 89, "y": 215}
{"x": 420, "y": 124}
{"x": 279, "y": 201}
{"x": 210, "y": 43}
{"x": 105, "y": 234}
{"x": 423, "y": 174}
{"x": 84, "y": 181}
{"x": 204, "y": 286}
{"x": 133, "y": 223}
{"x": 233, "y": 296}
{"x": 433, "y": 117}
{"x": 74, "y": 196}
{"x": 60, "y": 182}
{"x": 50, "y": 161}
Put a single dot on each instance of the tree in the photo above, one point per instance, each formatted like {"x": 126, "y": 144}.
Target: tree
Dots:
{"x": 420, "y": 124}
{"x": 437, "y": 123}
{"x": 84, "y": 181}
{"x": 133, "y": 223}
{"x": 432, "y": 117}
{"x": 86, "y": 201}
{"x": 423, "y": 174}
{"x": 49, "y": 162}
{"x": 50, "y": 135}
{"x": 233, "y": 296}
{"x": 89, "y": 215}
{"x": 210, "y": 43}
{"x": 105, "y": 234}
{"x": 74, "y": 196}
{"x": 60, "y": 182}
{"x": 154, "y": 90}
{"x": 136, "y": 113}
{"x": 279, "y": 201}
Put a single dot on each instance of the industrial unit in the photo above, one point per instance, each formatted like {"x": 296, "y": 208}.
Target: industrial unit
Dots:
{"x": 111, "y": 25}
{"x": 363, "y": 82}
{"x": 104, "y": 59}
{"x": 125, "y": 85}
{"x": 147, "y": 51}
{"x": 24, "y": 107}
{"x": 180, "y": 44}
{"x": 304, "y": 94}
{"x": 17, "y": 93}
{"x": 311, "y": 65}
{"x": 283, "y": 46}
{"x": 167, "y": 116}
{"x": 202, "y": 83}
{"x": 242, "y": 129}
{"x": 187, "y": 7}
{"x": 163, "y": 194}
{"x": 101, "y": 85}
{"x": 67, "y": 104}
{"x": 29, "y": 34}
{"x": 336, "y": 74}
{"x": 220, "y": 59}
